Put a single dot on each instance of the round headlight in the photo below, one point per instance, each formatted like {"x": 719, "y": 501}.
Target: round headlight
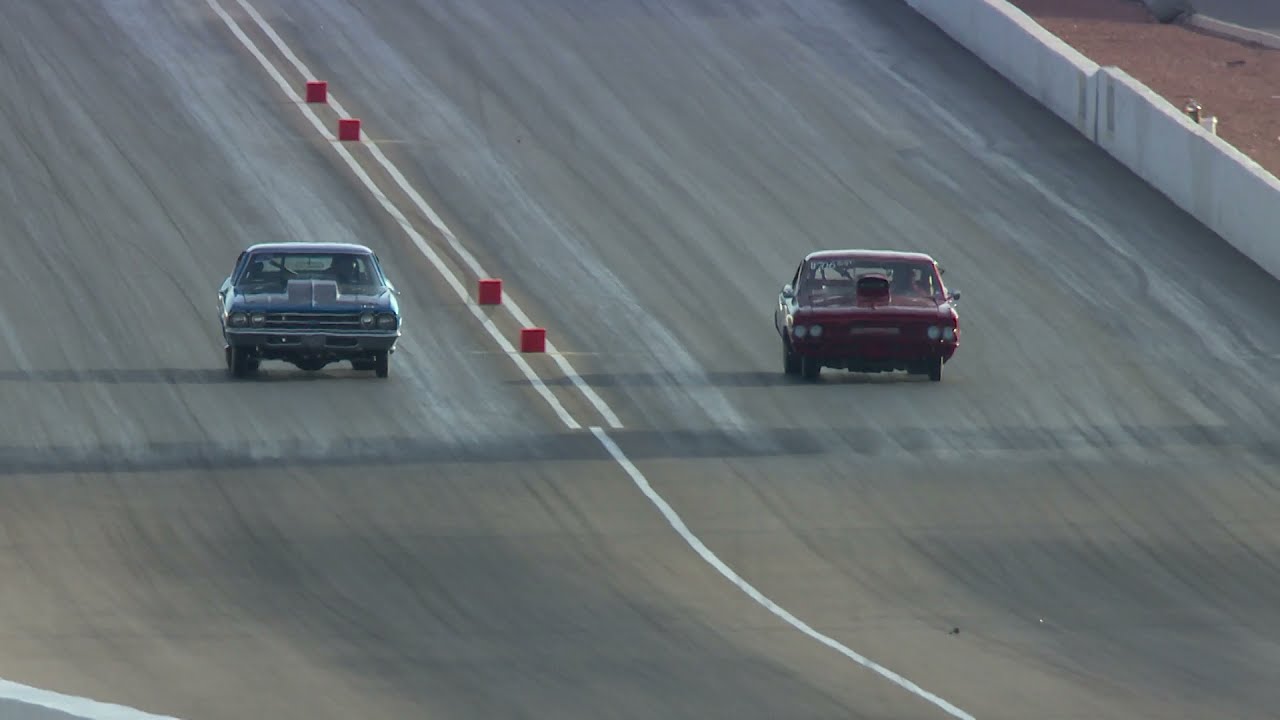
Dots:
{"x": 934, "y": 332}
{"x": 258, "y": 318}
{"x": 801, "y": 331}
{"x": 386, "y": 321}
{"x": 949, "y": 334}
{"x": 815, "y": 331}
{"x": 237, "y": 319}
{"x": 366, "y": 319}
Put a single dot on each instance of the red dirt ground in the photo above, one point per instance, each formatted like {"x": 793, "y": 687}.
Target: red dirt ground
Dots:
{"x": 1236, "y": 81}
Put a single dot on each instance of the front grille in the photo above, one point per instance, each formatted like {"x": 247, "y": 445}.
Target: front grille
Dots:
{"x": 313, "y": 321}
{"x": 874, "y": 330}
{"x": 889, "y": 329}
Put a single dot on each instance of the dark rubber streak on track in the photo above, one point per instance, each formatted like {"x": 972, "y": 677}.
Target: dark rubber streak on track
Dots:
{"x": 1100, "y": 456}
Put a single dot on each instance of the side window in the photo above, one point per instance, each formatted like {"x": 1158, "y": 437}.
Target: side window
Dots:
{"x": 795, "y": 278}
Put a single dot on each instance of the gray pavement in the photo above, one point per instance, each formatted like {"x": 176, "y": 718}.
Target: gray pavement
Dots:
{"x": 1088, "y": 496}
{"x": 1262, "y": 15}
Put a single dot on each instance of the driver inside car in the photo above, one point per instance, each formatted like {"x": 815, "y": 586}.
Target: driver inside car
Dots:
{"x": 905, "y": 282}
{"x": 258, "y": 272}
{"x": 347, "y": 270}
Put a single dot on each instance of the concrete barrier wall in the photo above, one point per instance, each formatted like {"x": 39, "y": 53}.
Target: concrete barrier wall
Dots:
{"x": 1146, "y": 133}
{"x": 1016, "y": 46}
{"x": 1200, "y": 172}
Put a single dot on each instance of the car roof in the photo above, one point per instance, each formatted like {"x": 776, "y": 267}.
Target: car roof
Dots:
{"x": 310, "y": 247}
{"x": 870, "y": 255}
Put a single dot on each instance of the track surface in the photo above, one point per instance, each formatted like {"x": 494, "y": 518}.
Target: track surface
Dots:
{"x": 645, "y": 175}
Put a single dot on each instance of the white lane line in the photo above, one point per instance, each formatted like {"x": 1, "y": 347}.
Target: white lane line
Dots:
{"x": 425, "y": 208}
{"x": 673, "y": 519}
{"x": 419, "y": 241}
{"x": 71, "y": 705}
{"x": 610, "y": 446}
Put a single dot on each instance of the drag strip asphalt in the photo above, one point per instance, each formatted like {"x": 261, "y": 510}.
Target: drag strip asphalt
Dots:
{"x": 653, "y": 171}
{"x": 1075, "y": 523}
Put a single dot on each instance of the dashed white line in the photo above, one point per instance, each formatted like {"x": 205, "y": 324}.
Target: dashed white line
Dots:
{"x": 420, "y": 242}
{"x": 425, "y": 208}
{"x": 610, "y": 446}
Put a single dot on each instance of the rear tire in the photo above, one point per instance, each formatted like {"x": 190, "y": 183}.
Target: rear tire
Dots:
{"x": 382, "y": 364}
{"x": 935, "y": 369}
{"x": 363, "y": 365}
{"x": 810, "y": 367}
{"x": 790, "y": 360}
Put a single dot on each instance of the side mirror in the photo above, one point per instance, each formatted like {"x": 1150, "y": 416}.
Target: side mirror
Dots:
{"x": 788, "y": 292}
{"x": 954, "y": 296}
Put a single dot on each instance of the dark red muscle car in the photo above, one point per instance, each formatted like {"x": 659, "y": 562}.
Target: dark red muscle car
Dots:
{"x": 867, "y": 311}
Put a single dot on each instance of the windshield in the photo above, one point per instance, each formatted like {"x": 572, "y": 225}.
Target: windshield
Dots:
{"x": 832, "y": 282}
{"x": 270, "y": 271}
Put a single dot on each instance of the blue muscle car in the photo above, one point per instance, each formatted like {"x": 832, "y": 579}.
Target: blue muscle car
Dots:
{"x": 310, "y": 304}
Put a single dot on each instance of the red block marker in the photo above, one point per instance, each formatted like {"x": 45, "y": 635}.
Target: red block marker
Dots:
{"x": 349, "y": 129}
{"x": 490, "y": 291}
{"x": 317, "y": 91}
{"x": 533, "y": 340}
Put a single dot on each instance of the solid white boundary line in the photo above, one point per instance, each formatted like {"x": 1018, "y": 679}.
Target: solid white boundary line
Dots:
{"x": 633, "y": 472}
{"x": 673, "y": 518}
{"x": 71, "y": 705}
{"x": 419, "y": 241}
{"x": 467, "y": 258}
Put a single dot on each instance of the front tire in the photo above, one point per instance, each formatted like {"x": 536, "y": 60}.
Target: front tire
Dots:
{"x": 810, "y": 367}
{"x": 790, "y": 360}
{"x": 935, "y": 369}
{"x": 382, "y": 364}
{"x": 239, "y": 363}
